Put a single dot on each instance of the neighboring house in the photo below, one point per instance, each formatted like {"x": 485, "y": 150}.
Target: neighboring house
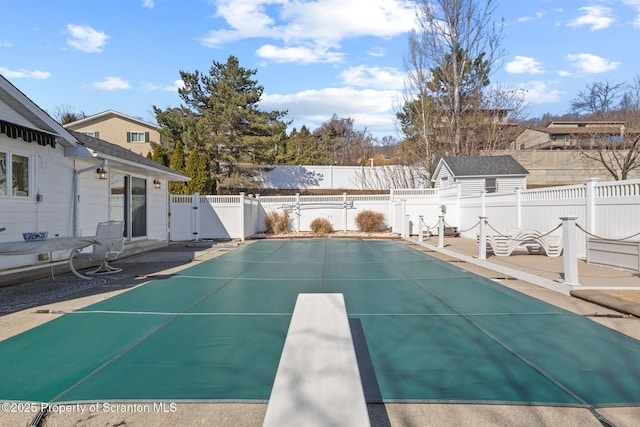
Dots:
{"x": 49, "y": 182}
{"x": 117, "y": 128}
{"x": 570, "y": 135}
{"x": 477, "y": 174}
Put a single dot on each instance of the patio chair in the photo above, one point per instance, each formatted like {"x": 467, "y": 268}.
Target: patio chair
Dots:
{"x": 109, "y": 243}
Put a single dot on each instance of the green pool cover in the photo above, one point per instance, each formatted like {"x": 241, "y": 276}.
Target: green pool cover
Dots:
{"x": 424, "y": 330}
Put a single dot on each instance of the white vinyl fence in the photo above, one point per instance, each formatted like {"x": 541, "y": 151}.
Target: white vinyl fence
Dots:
{"x": 608, "y": 210}
{"x": 214, "y": 217}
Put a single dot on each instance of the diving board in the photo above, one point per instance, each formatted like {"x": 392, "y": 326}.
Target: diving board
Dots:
{"x": 318, "y": 382}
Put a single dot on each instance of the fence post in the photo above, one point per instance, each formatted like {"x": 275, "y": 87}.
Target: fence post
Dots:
{"x": 420, "y": 238}
{"x": 345, "y": 215}
{"x": 519, "y": 208}
{"x": 242, "y": 195}
{"x": 392, "y": 214}
{"x": 590, "y": 208}
{"x": 195, "y": 216}
{"x": 297, "y": 212}
{"x": 482, "y": 238}
{"x": 404, "y": 217}
{"x": 569, "y": 250}
{"x": 441, "y": 231}
{"x": 257, "y": 225}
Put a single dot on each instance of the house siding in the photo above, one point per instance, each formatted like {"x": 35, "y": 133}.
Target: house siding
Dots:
{"x": 52, "y": 214}
{"x": 509, "y": 185}
{"x": 444, "y": 173}
{"x": 158, "y": 203}
{"x": 114, "y": 129}
{"x": 471, "y": 186}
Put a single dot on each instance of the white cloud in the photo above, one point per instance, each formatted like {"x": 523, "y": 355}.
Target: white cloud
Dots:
{"x": 538, "y": 92}
{"x": 148, "y": 3}
{"x": 636, "y": 5}
{"x": 378, "y": 52}
{"x": 374, "y": 77}
{"x": 595, "y": 17}
{"x": 5, "y": 43}
{"x": 636, "y": 22}
{"x": 591, "y": 64}
{"x": 86, "y": 39}
{"x": 299, "y": 54}
{"x": 371, "y": 109}
{"x": 24, "y": 74}
{"x": 111, "y": 83}
{"x": 309, "y": 26}
{"x": 177, "y": 84}
{"x": 523, "y": 65}
{"x": 539, "y": 15}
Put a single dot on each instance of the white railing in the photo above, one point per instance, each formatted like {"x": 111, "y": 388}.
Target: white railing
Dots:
{"x": 608, "y": 209}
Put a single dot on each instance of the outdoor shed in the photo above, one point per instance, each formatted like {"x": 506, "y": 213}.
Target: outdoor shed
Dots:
{"x": 62, "y": 182}
{"x": 477, "y": 174}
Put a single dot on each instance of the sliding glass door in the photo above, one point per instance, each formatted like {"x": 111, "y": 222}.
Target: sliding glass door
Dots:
{"x": 129, "y": 203}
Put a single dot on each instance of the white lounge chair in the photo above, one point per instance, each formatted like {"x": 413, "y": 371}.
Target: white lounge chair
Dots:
{"x": 504, "y": 244}
{"x": 109, "y": 244}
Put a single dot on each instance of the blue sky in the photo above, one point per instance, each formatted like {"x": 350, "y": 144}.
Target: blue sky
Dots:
{"x": 314, "y": 58}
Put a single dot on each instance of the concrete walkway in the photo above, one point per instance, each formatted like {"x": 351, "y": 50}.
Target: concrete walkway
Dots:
{"x": 610, "y": 287}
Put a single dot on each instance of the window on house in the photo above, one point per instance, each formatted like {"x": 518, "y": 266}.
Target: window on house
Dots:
{"x": 20, "y": 175}
{"x": 3, "y": 174}
{"x": 14, "y": 175}
{"x": 137, "y": 136}
{"x": 93, "y": 134}
{"x": 490, "y": 185}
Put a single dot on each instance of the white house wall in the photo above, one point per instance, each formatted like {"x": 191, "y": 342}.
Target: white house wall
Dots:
{"x": 509, "y": 184}
{"x": 444, "y": 174}
{"x": 472, "y": 186}
{"x": 52, "y": 178}
{"x": 157, "y": 211}
{"x": 93, "y": 199}
{"x": 94, "y": 203}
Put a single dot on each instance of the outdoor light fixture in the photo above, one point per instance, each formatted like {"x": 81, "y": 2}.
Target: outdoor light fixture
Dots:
{"x": 156, "y": 183}
{"x": 102, "y": 173}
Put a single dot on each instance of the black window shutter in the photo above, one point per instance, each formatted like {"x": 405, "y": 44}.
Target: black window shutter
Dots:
{"x": 96, "y": 134}
{"x": 128, "y": 136}
{"x": 146, "y": 137}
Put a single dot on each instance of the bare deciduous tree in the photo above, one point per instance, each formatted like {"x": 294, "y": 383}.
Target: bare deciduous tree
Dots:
{"x": 617, "y": 151}
{"x": 450, "y": 107}
{"x": 599, "y": 99}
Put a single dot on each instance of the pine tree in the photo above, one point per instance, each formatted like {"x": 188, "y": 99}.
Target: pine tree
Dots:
{"x": 177, "y": 164}
{"x": 220, "y": 117}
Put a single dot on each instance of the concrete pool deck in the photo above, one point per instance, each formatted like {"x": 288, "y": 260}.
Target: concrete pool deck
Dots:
{"x": 141, "y": 267}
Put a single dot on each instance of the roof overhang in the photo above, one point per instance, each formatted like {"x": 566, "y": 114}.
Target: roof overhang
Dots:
{"x": 30, "y": 116}
{"x": 133, "y": 167}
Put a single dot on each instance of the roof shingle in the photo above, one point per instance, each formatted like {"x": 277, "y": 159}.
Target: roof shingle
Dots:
{"x": 484, "y": 166}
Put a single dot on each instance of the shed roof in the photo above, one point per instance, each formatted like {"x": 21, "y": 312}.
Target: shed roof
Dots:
{"x": 467, "y": 166}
